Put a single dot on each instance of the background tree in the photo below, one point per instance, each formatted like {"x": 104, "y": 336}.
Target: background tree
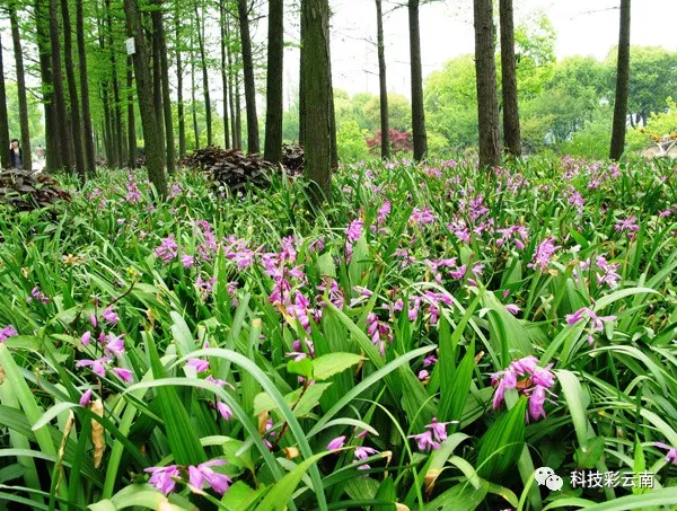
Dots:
{"x": 21, "y": 85}
{"x": 622, "y": 85}
{"x": 144, "y": 87}
{"x": 487, "y": 101}
{"x": 205, "y": 72}
{"x": 511, "y": 121}
{"x": 4, "y": 123}
{"x": 417, "y": 109}
{"x": 225, "y": 71}
{"x": 159, "y": 26}
{"x": 179, "y": 81}
{"x": 53, "y": 154}
{"x": 249, "y": 83}
{"x": 318, "y": 97}
{"x": 274, "y": 107}
{"x": 382, "y": 81}
{"x": 87, "y": 130}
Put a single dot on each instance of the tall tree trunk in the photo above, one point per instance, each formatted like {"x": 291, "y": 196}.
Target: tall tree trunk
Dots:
{"x": 224, "y": 70}
{"x": 53, "y": 155}
{"x": 205, "y": 74}
{"x": 249, "y": 83}
{"x": 231, "y": 92}
{"x": 144, "y": 87}
{"x": 21, "y": 86}
{"x": 274, "y": 107}
{"x": 487, "y": 100}
{"x": 90, "y": 158}
{"x": 108, "y": 143}
{"x": 319, "y": 92}
{"x": 622, "y": 85}
{"x": 238, "y": 109}
{"x": 159, "y": 27}
{"x": 417, "y": 109}
{"x": 116, "y": 112}
{"x": 302, "y": 88}
{"x": 511, "y": 118}
{"x": 383, "y": 85}
{"x": 5, "y": 160}
{"x": 179, "y": 84}
{"x": 131, "y": 121}
{"x": 157, "y": 79}
{"x": 196, "y": 132}
{"x": 73, "y": 93}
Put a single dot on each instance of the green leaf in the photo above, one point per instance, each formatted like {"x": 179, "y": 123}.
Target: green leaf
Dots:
{"x": 304, "y": 368}
{"x": 303, "y": 404}
{"x": 588, "y": 456}
{"x": 328, "y": 365}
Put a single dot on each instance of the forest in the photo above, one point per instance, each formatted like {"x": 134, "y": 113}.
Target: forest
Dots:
{"x": 229, "y": 283}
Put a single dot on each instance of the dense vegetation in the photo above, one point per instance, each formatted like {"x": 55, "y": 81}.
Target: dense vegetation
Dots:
{"x": 425, "y": 342}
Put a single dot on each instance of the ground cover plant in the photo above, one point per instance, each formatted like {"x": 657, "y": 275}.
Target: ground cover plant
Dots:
{"x": 425, "y": 343}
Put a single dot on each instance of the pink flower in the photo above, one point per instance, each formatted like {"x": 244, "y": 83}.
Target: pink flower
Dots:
{"x": 508, "y": 380}
{"x": 336, "y": 444}
{"x": 354, "y": 231}
{"x": 203, "y": 472}
{"x": 86, "y": 338}
{"x": 423, "y": 375}
{"x": 163, "y": 478}
{"x": 38, "y": 296}
{"x": 672, "y": 452}
{"x": 364, "y": 452}
{"x": 536, "y": 402}
{"x": 97, "y": 365}
{"x": 86, "y": 397}
{"x": 111, "y": 316}
{"x": 167, "y": 250}
{"x": 630, "y": 225}
{"x": 543, "y": 254}
{"x": 123, "y": 373}
{"x": 198, "y": 364}
{"x": 7, "y": 332}
{"x": 115, "y": 344}
{"x": 187, "y": 260}
{"x": 225, "y": 411}
{"x": 93, "y": 320}
{"x": 425, "y": 441}
{"x": 513, "y": 309}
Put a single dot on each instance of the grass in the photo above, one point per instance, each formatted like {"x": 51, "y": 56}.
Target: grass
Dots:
{"x": 349, "y": 359}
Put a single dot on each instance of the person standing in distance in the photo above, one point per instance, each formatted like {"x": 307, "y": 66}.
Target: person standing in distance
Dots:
{"x": 16, "y": 154}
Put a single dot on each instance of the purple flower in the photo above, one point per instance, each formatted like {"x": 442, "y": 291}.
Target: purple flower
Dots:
{"x": 163, "y": 478}
{"x": 354, "y": 231}
{"x": 198, "y": 364}
{"x": 123, "y": 373}
{"x": 536, "y": 402}
{"x": 364, "y": 452}
{"x": 111, "y": 316}
{"x": 167, "y": 250}
{"x": 86, "y": 398}
{"x": 513, "y": 309}
{"x": 225, "y": 411}
{"x": 672, "y": 452}
{"x": 37, "y": 295}
{"x": 115, "y": 344}
{"x": 423, "y": 375}
{"x": 93, "y": 320}
{"x": 187, "y": 260}
{"x": 7, "y": 332}
{"x": 508, "y": 380}
{"x": 204, "y": 472}
{"x": 336, "y": 444}
{"x": 629, "y": 224}
{"x": 86, "y": 338}
{"x": 543, "y": 255}
{"x": 97, "y": 365}
{"x": 425, "y": 441}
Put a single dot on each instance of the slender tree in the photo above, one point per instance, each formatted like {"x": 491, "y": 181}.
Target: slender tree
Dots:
{"x": 87, "y": 130}
{"x": 116, "y": 112}
{"x": 21, "y": 86}
{"x": 302, "y": 87}
{"x": 249, "y": 83}
{"x": 383, "y": 84}
{"x": 53, "y": 155}
{"x": 179, "y": 83}
{"x": 274, "y": 107}
{"x": 205, "y": 73}
{"x": 158, "y": 98}
{"x": 319, "y": 92}
{"x": 417, "y": 111}
{"x": 144, "y": 87}
{"x": 235, "y": 135}
{"x": 5, "y": 161}
{"x": 73, "y": 93}
{"x": 487, "y": 100}
{"x": 622, "y": 84}
{"x": 511, "y": 120}
{"x": 196, "y": 131}
{"x": 223, "y": 18}
{"x": 131, "y": 121}
{"x": 159, "y": 27}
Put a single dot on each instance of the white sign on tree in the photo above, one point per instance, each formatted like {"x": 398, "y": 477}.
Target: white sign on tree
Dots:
{"x": 131, "y": 47}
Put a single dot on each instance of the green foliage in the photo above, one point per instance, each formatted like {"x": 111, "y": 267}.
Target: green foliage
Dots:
{"x": 351, "y": 142}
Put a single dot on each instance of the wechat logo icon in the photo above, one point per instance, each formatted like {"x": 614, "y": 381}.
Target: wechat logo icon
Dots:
{"x": 546, "y": 476}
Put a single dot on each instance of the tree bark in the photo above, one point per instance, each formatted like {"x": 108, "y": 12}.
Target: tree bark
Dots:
{"x": 235, "y": 136}
{"x": 21, "y": 86}
{"x": 487, "y": 100}
{"x": 302, "y": 88}
{"x": 87, "y": 130}
{"x": 274, "y": 107}
{"x": 53, "y": 155}
{"x": 318, "y": 91}
{"x": 249, "y": 83}
{"x": 511, "y": 120}
{"x": 144, "y": 87}
{"x": 131, "y": 121}
{"x": 383, "y": 85}
{"x": 224, "y": 71}
{"x": 196, "y": 132}
{"x": 622, "y": 85}
{"x": 179, "y": 85}
{"x": 159, "y": 27}
{"x": 116, "y": 112}
{"x": 5, "y": 161}
{"x": 205, "y": 75}
{"x": 157, "y": 80}
{"x": 73, "y": 93}
{"x": 417, "y": 109}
